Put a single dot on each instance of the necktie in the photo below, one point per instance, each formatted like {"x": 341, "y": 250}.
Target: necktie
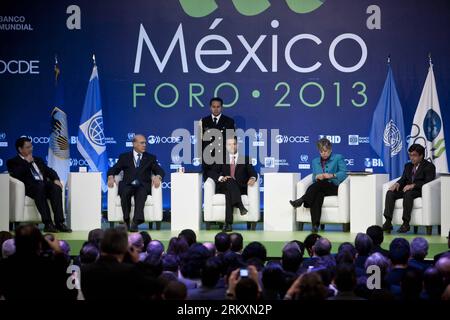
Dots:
{"x": 35, "y": 173}
{"x": 215, "y": 121}
{"x": 138, "y": 161}
{"x": 414, "y": 173}
{"x": 232, "y": 167}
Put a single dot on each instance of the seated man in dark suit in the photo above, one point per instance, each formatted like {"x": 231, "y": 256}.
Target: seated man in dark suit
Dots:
{"x": 416, "y": 173}
{"x": 41, "y": 183}
{"x": 215, "y": 121}
{"x": 138, "y": 167}
{"x": 232, "y": 179}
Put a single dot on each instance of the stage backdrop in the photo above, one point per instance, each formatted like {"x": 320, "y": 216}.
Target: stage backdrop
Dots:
{"x": 307, "y": 68}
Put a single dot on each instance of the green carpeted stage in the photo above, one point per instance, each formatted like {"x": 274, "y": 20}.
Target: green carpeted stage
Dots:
{"x": 273, "y": 240}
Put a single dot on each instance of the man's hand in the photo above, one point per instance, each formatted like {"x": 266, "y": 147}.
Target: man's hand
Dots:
{"x": 408, "y": 187}
{"x": 156, "y": 181}
{"x": 253, "y": 274}
{"x": 251, "y": 181}
{"x": 394, "y": 187}
{"x": 225, "y": 178}
{"x": 320, "y": 176}
{"x": 111, "y": 181}
{"x": 233, "y": 280}
{"x": 58, "y": 183}
{"x": 328, "y": 176}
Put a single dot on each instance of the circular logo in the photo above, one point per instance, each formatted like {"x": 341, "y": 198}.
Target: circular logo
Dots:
{"x": 392, "y": 138}
{"x": 95, "y": 131}
{"x": 432, "y": 125}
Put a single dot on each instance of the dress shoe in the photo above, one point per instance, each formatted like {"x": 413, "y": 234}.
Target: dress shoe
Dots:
{"x": 387, "y": 226}
{"x": 296, "y": 203}
{"x": 227, "y": 228}
{"x": 134, "y": 227}
{"x": 243, "y": 211}
{"x": 403, "y": 228}
{"x": 315, "y": 229}
{"x": 63, "y": 228}
{"x": 50, "y": 227}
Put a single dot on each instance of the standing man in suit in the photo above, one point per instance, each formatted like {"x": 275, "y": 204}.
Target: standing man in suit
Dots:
{"x": 41, "y": 183}
{"x": 138, "y": 167}
{"x": 416, "y": 173}
{"x": 232, "y": 179}
{"x": 215, "y": 121}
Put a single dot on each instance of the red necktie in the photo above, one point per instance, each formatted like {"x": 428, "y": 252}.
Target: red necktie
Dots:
{"x": 232, "y": 167}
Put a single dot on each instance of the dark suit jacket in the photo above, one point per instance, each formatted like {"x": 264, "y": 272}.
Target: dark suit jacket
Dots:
{"x": 426, "y": 172}
{"x": 21, "y": 169}
{"x": 223, "y": 124}
{"x": 148, "y": 166}
{"x": 244, "y": 171}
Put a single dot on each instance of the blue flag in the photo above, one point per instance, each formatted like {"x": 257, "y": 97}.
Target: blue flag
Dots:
{"x": 91, "y": 135}
{"x": 58, "y": 147}
{"x": 387, "y": 134}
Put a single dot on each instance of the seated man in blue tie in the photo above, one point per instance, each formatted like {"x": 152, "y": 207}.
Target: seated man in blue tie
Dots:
{"x": 232, "y": 179}
{"x": 416, "y": 173}
{"x": 138, "y": 167}
{"x": 41, "y": 183}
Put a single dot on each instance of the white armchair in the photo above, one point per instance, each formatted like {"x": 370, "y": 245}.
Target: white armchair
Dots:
{"x": 335, "y": 209}
{"x": 214, "y": 205}
{"x": 153, "y": 209}
{"x": 426, "y": 209}
{"x": 23, "y": 208}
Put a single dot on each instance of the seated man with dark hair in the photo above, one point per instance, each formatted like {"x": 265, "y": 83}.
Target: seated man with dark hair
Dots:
{"x": 41, "y": 183}
{"x": 416, "y": 173}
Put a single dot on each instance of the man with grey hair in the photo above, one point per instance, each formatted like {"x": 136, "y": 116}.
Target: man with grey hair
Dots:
{"x": 419, "y": 251}
{"x": 140, "y": 171}
{"x": 8, "y": 248}
{"x": 136, "y": 241}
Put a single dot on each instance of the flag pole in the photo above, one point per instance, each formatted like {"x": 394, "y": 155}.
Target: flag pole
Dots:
{"x": 429, "y": 59}
{"x": 93, "y": 59}
{"x": 389, "y": 59}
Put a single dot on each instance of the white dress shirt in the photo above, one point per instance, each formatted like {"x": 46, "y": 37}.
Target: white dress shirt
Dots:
{"x": 135, "y": 156}
{"x": 35, "y": 168}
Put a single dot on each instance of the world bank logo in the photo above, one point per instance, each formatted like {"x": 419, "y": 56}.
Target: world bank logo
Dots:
{"x": 95, "y": 131}
{"x": 392, "y": 138}
{"x": 203, "y": 8}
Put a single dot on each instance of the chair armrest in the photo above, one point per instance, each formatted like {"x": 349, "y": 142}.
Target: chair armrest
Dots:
{"x": 431, "y": 201}
{"x": 16, "y": 199}
{"x": 157, "y": 200}
{"x": 209, "y": 189}
{"x": 112, "y": 195}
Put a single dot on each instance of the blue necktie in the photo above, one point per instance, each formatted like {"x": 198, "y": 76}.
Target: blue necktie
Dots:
{"x": 138, "y": 161}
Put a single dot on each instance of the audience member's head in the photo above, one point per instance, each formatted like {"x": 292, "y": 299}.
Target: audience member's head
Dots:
{"x": 177, "y": 246}
{"x": 433, "y": 283}
{"x": 28, "y": 240}
{"x": 89, "y": 253}
{"x": 8, "y": 248}
{"x": 5, "y": 235}
{"x": 311, "y": 287}
{"x": 379, "y": 260}
{"x": 114, "y": 242}
{"x": 211, "y": 248}
{"x": 322, "y": 247}
{"x": 156, "y": 248}
{"x": 443, "y": 265}
{"x": 375, "y": 233}
{"x": 309, "y": 242}
{"x": 419, "y": 248}
{"x": 193, "y": 261}
{"x": 291, "y": 259}
{"x": 411, "y": 285}
{"x": 347, "y": 246}
{"x": 399, "y": 252}
{"x": 237, "y": 242}
{"x": 345, "y": 256}
{"x": 247, "y": 290}
{"x": 222, "y": 242}
{"x": 273, "y": 277}
{"x": 95, "y": 236}
{"x": 135, "y": 240}
{"x": 175, "y": 290}
{"x": 345, "y": 277}
{"x": 211, "y": 273}
{"x": 363, "y": 244}
{"x": 188, "y": 235}
{"x": 170, "y": 263}
{"x": 254, "y": 250}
